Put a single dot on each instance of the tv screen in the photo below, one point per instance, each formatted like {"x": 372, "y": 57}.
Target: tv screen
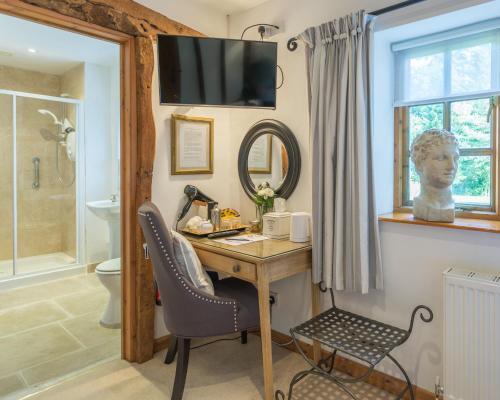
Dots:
{"x": 217, "y": 72}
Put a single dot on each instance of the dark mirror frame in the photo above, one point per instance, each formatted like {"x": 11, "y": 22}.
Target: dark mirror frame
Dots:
{"x": 280, "y": 130}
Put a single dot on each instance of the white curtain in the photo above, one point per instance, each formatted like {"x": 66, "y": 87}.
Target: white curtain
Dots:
{"x": 346, "y": 246}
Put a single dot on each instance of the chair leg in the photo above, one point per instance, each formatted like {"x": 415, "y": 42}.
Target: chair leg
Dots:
{"x": 181, "y": 369}
{"x": 244, "y": 337}
{"x": 409, "y": 386}
{"x": 172, "y": 350}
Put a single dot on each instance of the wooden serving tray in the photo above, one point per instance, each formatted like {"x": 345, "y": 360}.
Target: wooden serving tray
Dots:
{"x": 203, "y": 234}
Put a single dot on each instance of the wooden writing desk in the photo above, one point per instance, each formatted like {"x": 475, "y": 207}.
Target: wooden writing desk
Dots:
{"x": 260, "y": 263}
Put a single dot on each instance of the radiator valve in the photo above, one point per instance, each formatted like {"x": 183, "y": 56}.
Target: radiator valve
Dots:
{"x": 439, "y": 389}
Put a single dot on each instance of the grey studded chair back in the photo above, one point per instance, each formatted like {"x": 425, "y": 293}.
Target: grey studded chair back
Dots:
{"x": 187, "y": 311}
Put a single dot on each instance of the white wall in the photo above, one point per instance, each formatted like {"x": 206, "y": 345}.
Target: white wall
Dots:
{"x": 101, "y": 101}
{"x": 192, "y": 13}
{"x": 413, "y": 256}
{"x": 222, "y": 184}
{"x": 114, "y": 123}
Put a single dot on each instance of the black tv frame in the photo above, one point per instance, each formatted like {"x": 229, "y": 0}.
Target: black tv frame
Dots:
{"x": 215, "y": 105}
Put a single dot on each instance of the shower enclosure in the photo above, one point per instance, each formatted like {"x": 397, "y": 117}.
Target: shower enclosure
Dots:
{"x": 39, "y": 185}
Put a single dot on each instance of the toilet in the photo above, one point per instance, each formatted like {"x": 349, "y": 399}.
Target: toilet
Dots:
{"x": 109, "y": 273}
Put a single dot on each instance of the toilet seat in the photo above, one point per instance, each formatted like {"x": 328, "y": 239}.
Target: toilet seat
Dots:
{"x": 109, "y": 267}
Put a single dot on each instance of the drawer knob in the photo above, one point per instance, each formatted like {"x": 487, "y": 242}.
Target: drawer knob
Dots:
{"x": 236, "y": 268}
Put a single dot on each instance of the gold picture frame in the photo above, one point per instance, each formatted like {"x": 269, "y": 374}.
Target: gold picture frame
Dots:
{"x": 266, "y": 157}
{"x": 192, "y": 145}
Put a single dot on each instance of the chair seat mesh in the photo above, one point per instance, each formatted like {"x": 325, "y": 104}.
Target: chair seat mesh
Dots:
{"x": 360, "y": 337}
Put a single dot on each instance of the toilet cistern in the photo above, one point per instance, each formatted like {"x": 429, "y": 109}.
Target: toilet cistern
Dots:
{"x": 109, "y": 210}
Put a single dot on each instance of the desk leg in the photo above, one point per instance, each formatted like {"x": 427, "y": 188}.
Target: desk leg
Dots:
{"x": 316, "y": 309}
{"x": 265, "y": 332}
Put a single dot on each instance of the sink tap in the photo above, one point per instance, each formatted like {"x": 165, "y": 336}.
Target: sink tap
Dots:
{"x": 114, "y": 198}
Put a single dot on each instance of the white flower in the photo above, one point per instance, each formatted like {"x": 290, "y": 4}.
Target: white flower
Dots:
{"x": 265, "y": 193}
{"x": 269, "y": 192}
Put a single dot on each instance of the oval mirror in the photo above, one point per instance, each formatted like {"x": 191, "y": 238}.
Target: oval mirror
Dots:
{"x": 269, "y": 153}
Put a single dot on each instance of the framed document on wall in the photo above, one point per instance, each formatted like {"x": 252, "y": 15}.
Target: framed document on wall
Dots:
{"x": 260, "y": 155}
{"x": 192, "y": 147}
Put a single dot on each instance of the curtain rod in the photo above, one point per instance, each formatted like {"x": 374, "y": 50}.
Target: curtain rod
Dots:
{"x": 292, "y": 42}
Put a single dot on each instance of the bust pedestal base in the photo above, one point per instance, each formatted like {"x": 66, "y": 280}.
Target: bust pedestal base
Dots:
{"x": 422, "y": 210}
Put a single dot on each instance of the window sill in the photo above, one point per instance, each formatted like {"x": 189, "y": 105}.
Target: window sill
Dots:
{"x": 469, "y": 224}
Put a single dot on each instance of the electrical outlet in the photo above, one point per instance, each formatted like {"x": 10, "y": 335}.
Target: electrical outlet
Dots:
{"x": 273, "y": 299}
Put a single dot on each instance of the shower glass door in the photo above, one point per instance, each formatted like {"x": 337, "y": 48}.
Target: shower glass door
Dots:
{"x": 46, "y": 217}
{"x": 39, "y": 189}
{"x": 6, "y": 186}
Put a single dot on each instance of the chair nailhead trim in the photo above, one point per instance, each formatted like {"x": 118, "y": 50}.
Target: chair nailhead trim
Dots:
{"x": 190, "y": 291}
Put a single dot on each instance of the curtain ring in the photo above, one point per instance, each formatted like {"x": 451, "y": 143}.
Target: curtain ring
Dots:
{"x": 322, "y": 290}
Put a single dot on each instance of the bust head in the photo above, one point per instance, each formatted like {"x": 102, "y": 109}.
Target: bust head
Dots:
{"x": 435, "y": 154}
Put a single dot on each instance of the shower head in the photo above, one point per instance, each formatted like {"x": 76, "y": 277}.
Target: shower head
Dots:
{"x": 48, "y": 135}
{"x": 47, "y": 112}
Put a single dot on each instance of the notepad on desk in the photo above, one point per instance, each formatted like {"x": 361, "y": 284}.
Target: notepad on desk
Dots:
{"x": 241, "y": 239}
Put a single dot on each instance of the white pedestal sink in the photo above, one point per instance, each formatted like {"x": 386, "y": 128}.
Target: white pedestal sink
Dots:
{"x": 109, "y": 211}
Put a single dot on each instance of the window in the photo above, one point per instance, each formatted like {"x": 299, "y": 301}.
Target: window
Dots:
{"x": 451, "y": 81}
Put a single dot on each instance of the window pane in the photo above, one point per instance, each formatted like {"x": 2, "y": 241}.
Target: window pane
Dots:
{"x": 473, "y": 182}
{"x": 414, "y": 186}
{"x": 469, "y": 122}
{"x": 426, "y": 77}
{"x": 423, "y": 118}
{"x": 471, "y": 69}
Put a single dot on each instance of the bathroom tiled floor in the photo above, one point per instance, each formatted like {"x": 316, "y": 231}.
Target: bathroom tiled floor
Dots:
{"x": 50, "y": 330}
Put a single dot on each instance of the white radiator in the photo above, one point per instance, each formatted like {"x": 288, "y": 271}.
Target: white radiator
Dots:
{"x": 471, "y": 335}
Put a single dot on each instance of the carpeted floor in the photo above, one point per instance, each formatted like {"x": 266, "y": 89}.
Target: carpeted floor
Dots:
{"x": 222, "y": 371}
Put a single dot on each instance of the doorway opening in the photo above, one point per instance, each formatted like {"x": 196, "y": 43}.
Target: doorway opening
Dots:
{"x": 60, "y": 257}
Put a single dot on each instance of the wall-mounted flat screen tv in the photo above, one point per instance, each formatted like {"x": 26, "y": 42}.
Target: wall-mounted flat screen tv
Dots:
{"x": 217, "y": 72}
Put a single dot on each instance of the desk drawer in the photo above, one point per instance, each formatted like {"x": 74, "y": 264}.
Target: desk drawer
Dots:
{"x": 228, "y": 265}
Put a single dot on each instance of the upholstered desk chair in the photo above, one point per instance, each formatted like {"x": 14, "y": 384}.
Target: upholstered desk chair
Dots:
{"x": 188, "y": 312}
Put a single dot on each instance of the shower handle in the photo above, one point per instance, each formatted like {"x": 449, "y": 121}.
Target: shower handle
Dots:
{"x": 36, "y": 173}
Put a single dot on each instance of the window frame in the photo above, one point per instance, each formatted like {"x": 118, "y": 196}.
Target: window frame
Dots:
{"x": 402, "y": 159}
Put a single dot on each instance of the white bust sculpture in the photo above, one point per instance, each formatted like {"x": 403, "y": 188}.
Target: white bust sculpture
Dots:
{"x": 435, "y": 154}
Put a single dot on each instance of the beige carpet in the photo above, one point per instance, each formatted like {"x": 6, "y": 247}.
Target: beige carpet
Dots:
{"x": 222, "y": 371}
